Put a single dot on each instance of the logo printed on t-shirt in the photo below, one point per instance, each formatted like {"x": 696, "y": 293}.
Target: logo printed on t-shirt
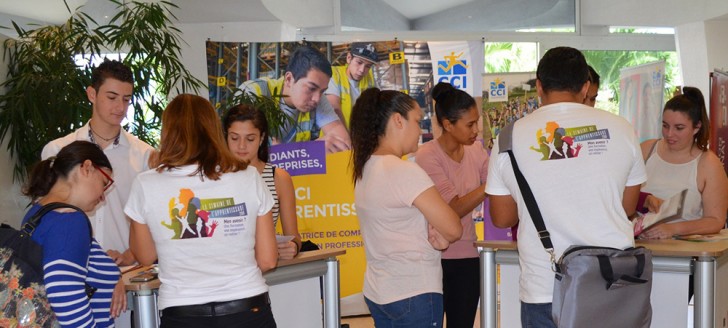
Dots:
{"x": 192, "y": 217}
{"x": 557, "y": 142}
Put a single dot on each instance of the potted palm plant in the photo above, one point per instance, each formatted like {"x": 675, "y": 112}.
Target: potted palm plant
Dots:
{"x": 44, "y": 95}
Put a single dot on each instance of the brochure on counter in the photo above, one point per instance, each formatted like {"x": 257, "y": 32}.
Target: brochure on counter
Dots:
{"x": 670, "y": 210}
{"x": 722, "y": 235}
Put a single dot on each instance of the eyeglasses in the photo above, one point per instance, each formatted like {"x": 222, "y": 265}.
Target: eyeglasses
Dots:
{"x": 110, "y": 180}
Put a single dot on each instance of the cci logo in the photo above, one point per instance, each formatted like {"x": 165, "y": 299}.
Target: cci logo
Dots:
{"x": 498, "y": 89}
{"x": 453, "y": 70}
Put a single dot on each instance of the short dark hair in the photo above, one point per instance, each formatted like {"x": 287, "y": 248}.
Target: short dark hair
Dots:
{"x": 111, "y": 69}
{"x": 562, "y": 69}
{"x": 593, "y": 76}
{"x": 45, "y": 173}
{"x": 306, "y": 58}
{"x": 242, "y": 113}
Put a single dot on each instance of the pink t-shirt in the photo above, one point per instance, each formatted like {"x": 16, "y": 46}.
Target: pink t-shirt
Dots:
{"x": 456, "y": 179}
{"x": 401, "y": 263}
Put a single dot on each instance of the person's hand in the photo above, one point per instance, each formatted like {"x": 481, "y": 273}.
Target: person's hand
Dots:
{"x": 659, "y": 231}
{"x": 121, "y": 259}
{"x": 287, "y": 250}
{"x": 336, "y": 143}
{"x": 437, "y": 241}
{"x": 653, "y": 203}
{"x": 118, "y": 299}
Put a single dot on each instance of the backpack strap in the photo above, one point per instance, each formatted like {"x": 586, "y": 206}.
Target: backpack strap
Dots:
{"x": 29, "y": 227}
{"x": 505, "y": 145}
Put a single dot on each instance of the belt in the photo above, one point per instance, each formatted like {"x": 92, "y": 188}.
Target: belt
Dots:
{"x": 252, "y": 303}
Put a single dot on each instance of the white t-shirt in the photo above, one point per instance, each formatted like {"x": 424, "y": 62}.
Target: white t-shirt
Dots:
{"x": 128, "y": 158}
{"x": 204, "y": 232}
{"x": 578, "y": 161}
{"x": 401, "y": 263}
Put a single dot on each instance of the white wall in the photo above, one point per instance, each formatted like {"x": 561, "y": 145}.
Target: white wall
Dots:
{"x": 692, "y": 50}
{"x": 715, "y": 36}
{"x": 702, "y": 47}
{"x": 12, "y": 203}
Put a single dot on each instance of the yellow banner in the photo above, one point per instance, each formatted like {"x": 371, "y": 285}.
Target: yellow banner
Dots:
{"x": 326, "y": 216}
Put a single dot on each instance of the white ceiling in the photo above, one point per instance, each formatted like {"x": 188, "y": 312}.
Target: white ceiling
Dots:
{"x": 413, "y": 9}
{"x": 429, "y": 15}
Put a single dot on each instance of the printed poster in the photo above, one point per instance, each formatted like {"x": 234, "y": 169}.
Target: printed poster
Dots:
{"x": 325, "y": 209}
{"x": 641, "y": 98}
{"x": 719, "y": 115}
{"x": 459, "y": 63}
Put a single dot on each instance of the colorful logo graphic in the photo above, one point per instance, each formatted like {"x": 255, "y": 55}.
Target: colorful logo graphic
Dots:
{"x": 498, "y": 90}
{"x": 452, "y": 65}
{"x": 453, "y": 70}
{"x": 657, "y": 77}
{"x": 556, "y": 142}
{"x": 192, "y": 217}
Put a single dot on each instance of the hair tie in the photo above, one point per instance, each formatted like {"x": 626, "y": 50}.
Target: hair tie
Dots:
{"x": 51, "y": 159}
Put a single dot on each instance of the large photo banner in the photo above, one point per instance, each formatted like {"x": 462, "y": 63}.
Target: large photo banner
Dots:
{"x": 719, "y": 115}
{"x": 641, "y": 93}
{"x": 324, "y": 190}
{"x": 508, "y": 97}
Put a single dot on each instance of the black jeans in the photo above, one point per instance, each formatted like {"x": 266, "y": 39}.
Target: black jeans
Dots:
{"x": 259, "y": 316}
{"x": 460, "y": 291}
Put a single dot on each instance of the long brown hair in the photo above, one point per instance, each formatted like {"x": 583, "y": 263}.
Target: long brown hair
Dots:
{"x": 192, "y": 134}
{"x": 692, "y": 103}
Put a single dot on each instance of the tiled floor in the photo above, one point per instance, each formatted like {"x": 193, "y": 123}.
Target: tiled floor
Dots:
{"x": 366, "y": 321}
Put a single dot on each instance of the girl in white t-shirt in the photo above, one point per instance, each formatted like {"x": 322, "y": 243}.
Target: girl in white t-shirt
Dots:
{"x": 207, "y": 218}
{"x": 404, "y": 221}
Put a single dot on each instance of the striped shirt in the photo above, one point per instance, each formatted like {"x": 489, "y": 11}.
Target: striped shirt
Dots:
{"x": 269, "y": 179}
{"x": 72, "y": 260}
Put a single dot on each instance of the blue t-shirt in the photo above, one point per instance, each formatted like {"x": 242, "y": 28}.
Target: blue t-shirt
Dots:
{"x": 72, "y": 259}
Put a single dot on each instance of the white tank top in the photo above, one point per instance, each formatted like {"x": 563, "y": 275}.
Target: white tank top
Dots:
{"x": 664, "y": 180}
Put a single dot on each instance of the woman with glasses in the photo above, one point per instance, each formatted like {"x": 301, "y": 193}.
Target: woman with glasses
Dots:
{"x": 79, "y": 277}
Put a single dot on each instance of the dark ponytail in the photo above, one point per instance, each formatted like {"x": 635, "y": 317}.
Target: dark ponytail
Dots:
{"x": 692, "y": 103}
{"x": 450, "y": 103}
{"x": 45, "y": 174}
{"x": 369, "y": 119}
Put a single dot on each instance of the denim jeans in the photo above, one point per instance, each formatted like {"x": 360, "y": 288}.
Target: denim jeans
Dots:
{"x": 424, "y": 310}
{"x": 536, "y": 315}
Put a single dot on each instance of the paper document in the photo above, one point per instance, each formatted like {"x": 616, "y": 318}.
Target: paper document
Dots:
{"x": 670, "y": 210}
{"x": 283, "y": 239}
